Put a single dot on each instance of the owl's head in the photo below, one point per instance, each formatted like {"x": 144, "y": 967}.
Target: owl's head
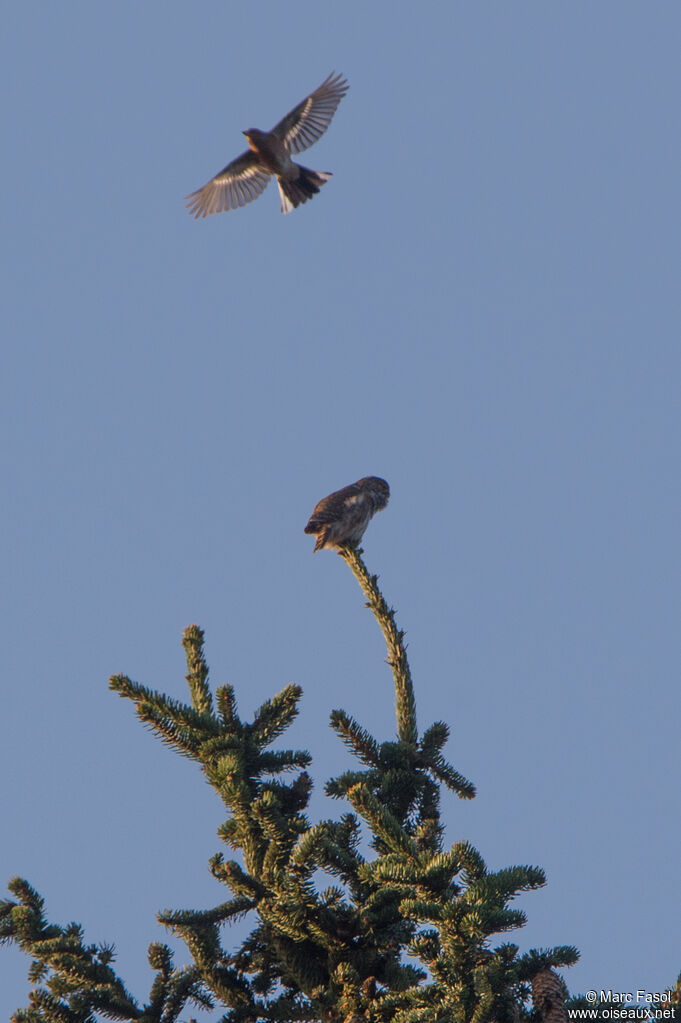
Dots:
{"x": 378, "y": 490}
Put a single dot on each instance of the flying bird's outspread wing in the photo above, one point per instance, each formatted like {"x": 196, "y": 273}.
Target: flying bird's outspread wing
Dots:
{"x": 239, "y": 182}
{"x": 342, "y": 517}
{"x": 307, "y": 122}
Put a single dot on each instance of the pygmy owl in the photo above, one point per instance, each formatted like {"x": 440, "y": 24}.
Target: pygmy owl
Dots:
{"x": 342, "y": 517}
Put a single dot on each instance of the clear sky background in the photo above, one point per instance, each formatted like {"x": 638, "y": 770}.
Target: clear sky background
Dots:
{"x": 482, "y": 306}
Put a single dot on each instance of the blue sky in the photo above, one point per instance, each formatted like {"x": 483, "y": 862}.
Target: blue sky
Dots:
{"x": 482, "y": 306}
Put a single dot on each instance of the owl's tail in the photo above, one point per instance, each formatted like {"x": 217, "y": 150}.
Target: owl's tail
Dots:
{"x": 307, "y": 184}
{"x": 321, "y": 532}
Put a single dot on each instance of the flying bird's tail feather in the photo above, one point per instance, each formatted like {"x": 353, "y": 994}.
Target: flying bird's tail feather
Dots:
{"x": 307, "y": 184}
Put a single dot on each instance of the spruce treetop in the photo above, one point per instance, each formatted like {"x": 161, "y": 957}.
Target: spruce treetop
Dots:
{"x": 403, "y": 933}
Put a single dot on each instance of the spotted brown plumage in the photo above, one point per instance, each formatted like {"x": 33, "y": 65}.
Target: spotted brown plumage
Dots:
{"x": 342, "y": 517}
{"x": 269, "y": 154}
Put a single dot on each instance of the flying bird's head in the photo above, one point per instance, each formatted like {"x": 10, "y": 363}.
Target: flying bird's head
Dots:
{"x": 255, "y": 138}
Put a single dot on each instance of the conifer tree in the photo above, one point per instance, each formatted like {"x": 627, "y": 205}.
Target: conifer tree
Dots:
{"x": 405, "y": 932}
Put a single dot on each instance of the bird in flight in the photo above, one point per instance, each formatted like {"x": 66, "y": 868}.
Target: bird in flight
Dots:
{"x": 269, "y": 154}
{"x": 342, "y": 517}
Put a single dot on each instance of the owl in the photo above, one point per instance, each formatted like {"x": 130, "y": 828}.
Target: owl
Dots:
{"x": 342, "y": 517}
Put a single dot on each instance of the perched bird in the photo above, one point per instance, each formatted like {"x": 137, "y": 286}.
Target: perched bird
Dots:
{"x": 342, "y": 517}
{"x": 269, "y": 153}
